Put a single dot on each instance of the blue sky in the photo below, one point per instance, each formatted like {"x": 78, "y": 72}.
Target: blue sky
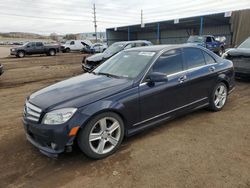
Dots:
{"x": 75, "y": 16}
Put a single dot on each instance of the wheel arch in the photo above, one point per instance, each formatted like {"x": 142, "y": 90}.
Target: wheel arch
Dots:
{"x": 224, "y": 79}
{"x": 95, "y": 109}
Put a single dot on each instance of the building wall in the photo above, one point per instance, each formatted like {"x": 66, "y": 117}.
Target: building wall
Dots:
{"x": 116, "y": 36}
{"x": 181, "y": 35}
{"x": 240, "y": 26}
{"x": 235, "y": 32}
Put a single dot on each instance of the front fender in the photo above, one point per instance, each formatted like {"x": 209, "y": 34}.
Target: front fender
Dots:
{"x": 98, "y": 107}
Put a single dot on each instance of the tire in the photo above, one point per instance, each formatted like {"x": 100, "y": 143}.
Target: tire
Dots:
{"x": 20, "y": 54}
{"x": 105, "y": 139}
{"x": 52, "y": 52}
{"x": 221, "y": 51}
{"x": 67, "y": 50}
{"x": 218, "y": 97}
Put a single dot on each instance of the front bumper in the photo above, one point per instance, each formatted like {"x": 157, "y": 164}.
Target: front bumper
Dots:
{"x": 87, "y": 67}
{"x": 241, "y": 72}
{"x": 13, "y": 52}
{"x": 51, "y": 140}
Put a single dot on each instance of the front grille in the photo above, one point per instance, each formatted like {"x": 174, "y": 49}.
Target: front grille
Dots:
{"x": 32, "y": 112}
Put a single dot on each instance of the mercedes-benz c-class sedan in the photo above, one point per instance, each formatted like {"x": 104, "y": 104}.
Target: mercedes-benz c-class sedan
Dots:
{"x": 134, "y": 90}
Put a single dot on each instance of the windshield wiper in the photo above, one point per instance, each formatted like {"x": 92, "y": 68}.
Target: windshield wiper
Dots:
{"x": 107, "y": 74}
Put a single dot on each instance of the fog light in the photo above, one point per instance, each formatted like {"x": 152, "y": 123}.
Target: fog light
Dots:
{"x": 53, "y": 145}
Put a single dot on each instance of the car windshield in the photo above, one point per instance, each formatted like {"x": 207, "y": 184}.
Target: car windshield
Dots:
{"x": 114, "y": 48}
{"x": 126, "y": 64}
{"x": 25, "y": 44}
{"x": 245, "y": 44}
{"x": 195, "y": 39}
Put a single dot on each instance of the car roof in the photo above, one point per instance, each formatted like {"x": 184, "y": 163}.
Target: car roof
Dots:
{"x": 133, "y": 41}
{"x": 158, "y": 48}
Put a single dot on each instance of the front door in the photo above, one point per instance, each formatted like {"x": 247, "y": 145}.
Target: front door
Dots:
{"x": 158, "y": 100}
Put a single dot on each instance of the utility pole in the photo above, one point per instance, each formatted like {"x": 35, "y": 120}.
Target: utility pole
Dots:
{"x": 142, "y": 24}
{"x": 95, "y": 25}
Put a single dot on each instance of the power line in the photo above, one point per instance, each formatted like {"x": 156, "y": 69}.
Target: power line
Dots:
{"x": 58, "y": 19}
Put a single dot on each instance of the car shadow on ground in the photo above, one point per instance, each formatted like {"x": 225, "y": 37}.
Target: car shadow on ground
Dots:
{"x": 127, "y": 141}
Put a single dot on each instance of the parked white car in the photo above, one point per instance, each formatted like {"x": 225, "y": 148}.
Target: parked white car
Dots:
{"x": 98, "y": 47}
{"x": 75, "y": 45}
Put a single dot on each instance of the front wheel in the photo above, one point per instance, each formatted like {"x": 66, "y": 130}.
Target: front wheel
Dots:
{"x": 102, "y": 135}
{"x": 219, "y": 97}
{"x": 20, "y": 54}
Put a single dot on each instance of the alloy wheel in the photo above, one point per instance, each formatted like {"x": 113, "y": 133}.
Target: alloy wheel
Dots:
{"x": 21, "y": 54}
{"x": 105, "y": 135}
{"x": 220, "y": 96}
{"x": 52, "y": 52}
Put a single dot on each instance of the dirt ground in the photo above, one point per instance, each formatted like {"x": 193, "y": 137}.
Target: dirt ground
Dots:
{"x": 202, "y": 149}
{"x": 5, "y": 51}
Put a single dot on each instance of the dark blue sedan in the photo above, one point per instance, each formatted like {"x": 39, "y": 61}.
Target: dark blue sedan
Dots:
{"x": 134, "y": 90}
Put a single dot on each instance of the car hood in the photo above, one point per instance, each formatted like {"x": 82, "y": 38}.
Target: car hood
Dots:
{"x": 17, "y": 48}
{"x": 99, "y": 57}
{"x": 238, "y": 51}
{"x": 78, "y": 91}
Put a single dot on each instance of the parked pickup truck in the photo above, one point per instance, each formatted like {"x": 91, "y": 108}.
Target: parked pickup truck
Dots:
{"x": 31, "y": 48}
{"x": 1, "y": 69}
{"x": 209, "y": 42}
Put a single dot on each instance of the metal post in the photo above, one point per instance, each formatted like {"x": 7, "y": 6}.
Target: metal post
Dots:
{"x": 128, "y": 33}
{"x": 107, "y": 39}
{"x": 201, "y": 25}
{"x": 158, "y": 33}
{"x": 95, "y": 25}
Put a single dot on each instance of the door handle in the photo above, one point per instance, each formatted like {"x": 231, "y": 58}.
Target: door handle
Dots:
{"x": 182, "y": 78}
{"x": 212, "y": 69}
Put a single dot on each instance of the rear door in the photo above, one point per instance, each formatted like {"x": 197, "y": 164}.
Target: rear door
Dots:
{"x": 39, "y": 48}
{"x": 201, "y": 73}
{"x": 162, "y": 98}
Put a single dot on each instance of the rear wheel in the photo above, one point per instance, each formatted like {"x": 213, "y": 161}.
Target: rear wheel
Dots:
{"x": 219, "y": 97}
{"x": 52, "y": 52}
{"x": 221, "y": 51}
{"x": 20, "y": 54}
{"x": 102, "y": 136}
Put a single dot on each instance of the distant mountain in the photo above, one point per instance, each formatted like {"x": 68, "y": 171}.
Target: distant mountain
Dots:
{"x": 23, "y": 35}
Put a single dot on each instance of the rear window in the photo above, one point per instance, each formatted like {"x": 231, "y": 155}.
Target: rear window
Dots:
{"x": 39, "y": 44}
{"x": 193, "y": 57}
{"x": 208, "y": 58}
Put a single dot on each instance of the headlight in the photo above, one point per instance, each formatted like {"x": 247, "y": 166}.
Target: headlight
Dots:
{"x": 58, "y": 116}
{"x": 13, "y": 49}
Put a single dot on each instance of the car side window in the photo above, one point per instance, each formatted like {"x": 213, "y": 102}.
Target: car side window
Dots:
{"x": 140, "y": 44}
{"x": 169, "y": 63}
{"x": 193, "y": 57}
{"x": 131, "y": 45}
{"x": 209, "y": 39}
{"x": 39, "y": 44}
{"x": 208, "y": 58}
{"x": 32, "y": 44}
{"x": 72, "y": 42}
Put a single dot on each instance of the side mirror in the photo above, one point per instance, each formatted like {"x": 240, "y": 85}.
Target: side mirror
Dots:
{"x": 28, "y": 46}
{"x": 157, "y": 77}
